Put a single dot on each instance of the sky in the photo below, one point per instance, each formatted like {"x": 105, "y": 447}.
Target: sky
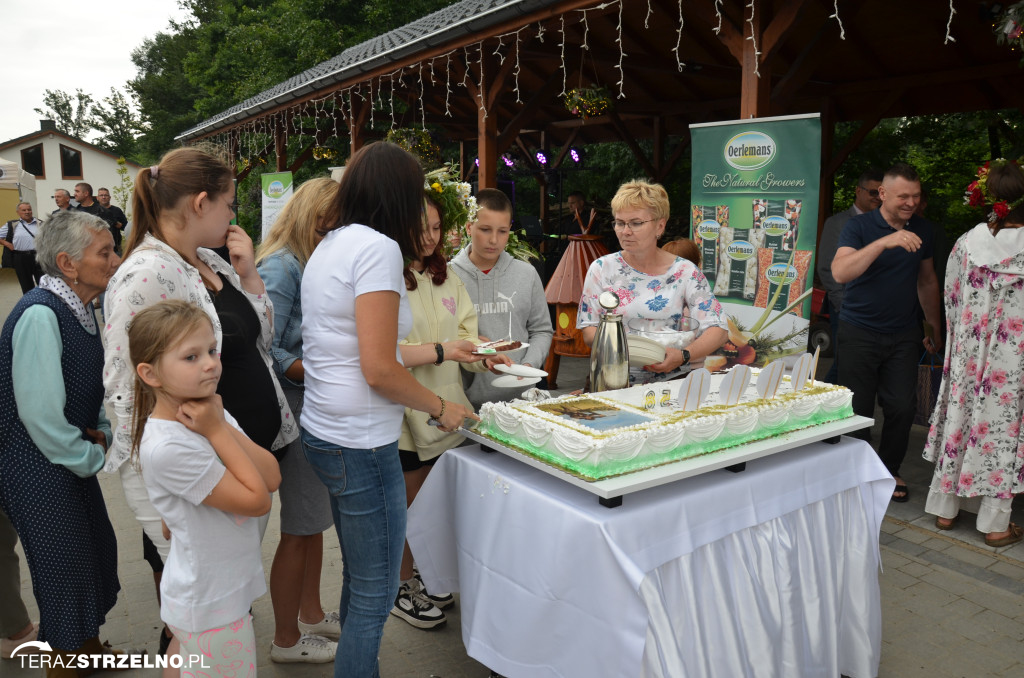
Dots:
{"x": 71, "y": 44}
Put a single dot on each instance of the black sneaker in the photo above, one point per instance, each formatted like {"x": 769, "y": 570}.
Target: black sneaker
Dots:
{"x": 414, "y": 607}
{"x": 441, "y": 600}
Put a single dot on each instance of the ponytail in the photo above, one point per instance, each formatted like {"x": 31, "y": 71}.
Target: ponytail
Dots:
{"x": 160, "y": 189}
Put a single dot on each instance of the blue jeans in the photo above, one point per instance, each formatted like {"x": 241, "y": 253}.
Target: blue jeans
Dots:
{"x": 368, "y": 503}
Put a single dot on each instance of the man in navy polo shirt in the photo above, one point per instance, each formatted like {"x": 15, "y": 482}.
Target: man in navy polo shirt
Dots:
{"x": 885, "y": 260}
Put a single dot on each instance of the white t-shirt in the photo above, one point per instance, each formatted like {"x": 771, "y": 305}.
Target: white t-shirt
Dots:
{"x": 340, "y": 407}
{"x": 215, "y": 568}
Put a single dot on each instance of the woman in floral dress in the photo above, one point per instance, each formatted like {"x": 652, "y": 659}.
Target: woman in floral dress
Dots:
{"x": 975, "y": 437}
{"x": 652, "y": 284}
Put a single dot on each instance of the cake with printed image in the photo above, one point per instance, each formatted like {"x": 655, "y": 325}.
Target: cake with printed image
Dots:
{"x": 599, "y": 435}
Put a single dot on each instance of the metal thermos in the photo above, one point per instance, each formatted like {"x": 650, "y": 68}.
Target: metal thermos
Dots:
{"x": 609, "y": 354}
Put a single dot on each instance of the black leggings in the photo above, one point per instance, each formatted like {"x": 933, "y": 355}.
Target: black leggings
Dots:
{"x": 151, "y": 555}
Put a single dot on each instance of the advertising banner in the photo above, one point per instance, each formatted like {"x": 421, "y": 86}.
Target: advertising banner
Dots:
{"x": 277, "y": 188}
{"x": 754, "y": 216}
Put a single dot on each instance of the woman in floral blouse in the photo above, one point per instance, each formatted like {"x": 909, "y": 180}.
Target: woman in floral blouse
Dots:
{"x": 652, "y": 284}
{"x": 975, "y": 437}
{"x": 181, "y": 208}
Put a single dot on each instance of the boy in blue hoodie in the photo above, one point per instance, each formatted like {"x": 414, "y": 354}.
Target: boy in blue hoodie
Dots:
{"x": 502, "y": 287}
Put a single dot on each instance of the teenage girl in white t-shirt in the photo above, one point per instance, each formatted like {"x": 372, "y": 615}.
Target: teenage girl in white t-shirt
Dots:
{"x": 355, "y": 310}
{"x": 207, "y": 480}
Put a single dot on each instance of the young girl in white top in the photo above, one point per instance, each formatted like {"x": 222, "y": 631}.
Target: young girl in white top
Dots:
{"x": 207, "y": 480}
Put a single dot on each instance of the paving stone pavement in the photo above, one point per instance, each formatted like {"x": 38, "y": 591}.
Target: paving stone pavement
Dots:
{"x": 951, "y": 607}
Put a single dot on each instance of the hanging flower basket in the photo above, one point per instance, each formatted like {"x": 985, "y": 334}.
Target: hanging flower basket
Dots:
{"x": 418, "y": 142}
{"x": 324, "y": 153}
{"x": 587, "y": 102}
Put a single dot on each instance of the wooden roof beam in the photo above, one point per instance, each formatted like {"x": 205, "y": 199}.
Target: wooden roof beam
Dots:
{"x": 917, "y": 80}
{"x": 754, "y": 88}
{"x": 566, "y": 145}
{"x": 780, "y": 27}
{"x": 302, "y": 158}
{"x": 730, "y": 34}
{"x": 700, "y": 33}
{"x": 875, "y": 115}
{"x": 800, "y": 71}
{"x": 529, "y": 111}
{"x": 627, "y": 138}
{"x": 498, "y": 81}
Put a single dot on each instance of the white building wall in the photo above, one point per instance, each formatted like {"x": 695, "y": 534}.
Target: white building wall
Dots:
{"x": 98, "y": 169}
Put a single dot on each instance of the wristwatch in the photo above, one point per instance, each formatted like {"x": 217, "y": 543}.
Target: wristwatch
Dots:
{"x": 440, "y": 354}
{"x": 686, "y": 357}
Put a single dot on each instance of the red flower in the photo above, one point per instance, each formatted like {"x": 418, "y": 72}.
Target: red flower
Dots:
{"x": 976, "y": 199}
{"x": 1001, "y": 209}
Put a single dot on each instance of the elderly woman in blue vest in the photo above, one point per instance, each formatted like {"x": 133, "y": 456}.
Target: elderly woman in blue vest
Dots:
{"x": 55, "y": 434}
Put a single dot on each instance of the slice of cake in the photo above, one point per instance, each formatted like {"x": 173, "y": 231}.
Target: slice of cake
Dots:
{"x": 492, "y": 347}
{"x": 603, "y": 434}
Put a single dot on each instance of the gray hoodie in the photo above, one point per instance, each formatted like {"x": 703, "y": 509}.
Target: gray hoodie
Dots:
{"x": 512, "y": 286}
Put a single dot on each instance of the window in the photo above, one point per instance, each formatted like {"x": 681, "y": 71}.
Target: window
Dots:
{"x": 70, "y": 163}
{"x": 32, "y": 161}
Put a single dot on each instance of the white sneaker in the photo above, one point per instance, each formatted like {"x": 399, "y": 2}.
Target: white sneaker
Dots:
{"x": 328, "y": 627}
{"x": 309, "y": 650}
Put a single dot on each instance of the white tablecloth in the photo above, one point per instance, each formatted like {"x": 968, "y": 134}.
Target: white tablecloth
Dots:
{"x": 768, "y": 572}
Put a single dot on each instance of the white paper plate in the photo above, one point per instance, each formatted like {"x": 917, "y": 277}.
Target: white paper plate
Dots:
{"x": 644, "y": 351}
{"x": 511, "y": 350}
{"x": 512, "y": 381}
{"x": 521, "y": 370}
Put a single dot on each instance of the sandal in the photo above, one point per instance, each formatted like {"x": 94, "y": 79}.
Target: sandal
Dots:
{"x": 906, "y": 494}
{"x": 947, "y": 526}
{"x": 1016, "y": 534}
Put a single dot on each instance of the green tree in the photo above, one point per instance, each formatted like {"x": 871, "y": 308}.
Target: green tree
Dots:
{"x": 946, "y": 150}
{"x": 71, "y": 113}
{"x": 118, "y": 124}
{"x": 123, "y": 191}
{"x": 164, "y": 94}
{"x": 230, "y": 50}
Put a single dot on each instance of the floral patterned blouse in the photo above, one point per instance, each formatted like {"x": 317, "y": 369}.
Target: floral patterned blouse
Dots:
{"x": 681, "y": 291}
{"x": 975, "y": 435}
{"x": 151, "y": 273}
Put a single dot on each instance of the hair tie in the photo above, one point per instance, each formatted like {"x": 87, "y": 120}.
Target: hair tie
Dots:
{"x": 154, "y": 171}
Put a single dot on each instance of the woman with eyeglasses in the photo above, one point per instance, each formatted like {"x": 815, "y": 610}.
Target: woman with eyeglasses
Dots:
{"x": 182, "y": 209}
{"x": 653, "y": 285}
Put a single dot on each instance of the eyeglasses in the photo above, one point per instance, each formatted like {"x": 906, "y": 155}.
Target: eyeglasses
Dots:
{"x": 873, "y": 192}
{"x": 633, "y": 225}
